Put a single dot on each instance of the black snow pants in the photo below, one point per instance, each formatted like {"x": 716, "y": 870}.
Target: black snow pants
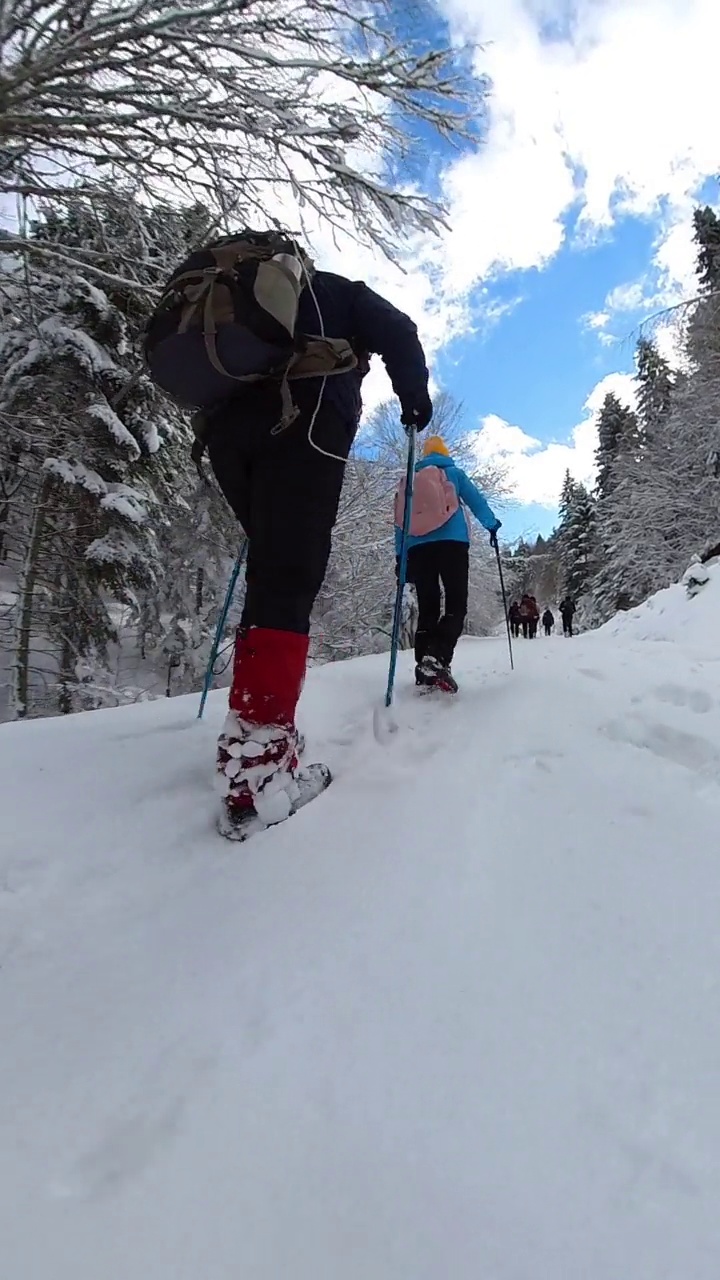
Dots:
{"x": 436, "y": 566}
{"x": 567, "y": 620}
{"x": 285, "y": 495}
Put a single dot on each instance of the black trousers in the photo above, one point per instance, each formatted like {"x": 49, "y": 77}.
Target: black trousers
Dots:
{"x": 436, "y": 567}
{"x": 285, "y": 495}
{"x": 567, "y": 624}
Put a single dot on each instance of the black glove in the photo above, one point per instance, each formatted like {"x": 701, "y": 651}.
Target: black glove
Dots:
{"x": 417, "y": 410}
{"x": 494, "y": 535}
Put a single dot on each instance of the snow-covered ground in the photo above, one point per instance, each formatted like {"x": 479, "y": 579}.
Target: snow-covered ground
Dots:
{"x": 459, "y": 1018}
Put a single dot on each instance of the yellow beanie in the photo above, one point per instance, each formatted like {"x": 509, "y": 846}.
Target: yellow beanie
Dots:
{"x": 435, "y": 444}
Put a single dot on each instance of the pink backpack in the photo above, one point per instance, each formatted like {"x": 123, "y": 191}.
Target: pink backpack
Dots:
{"x": 435, "y": 500}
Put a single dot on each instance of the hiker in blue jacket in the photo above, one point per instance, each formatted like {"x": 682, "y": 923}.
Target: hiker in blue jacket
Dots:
{"x": 438, "y": 558}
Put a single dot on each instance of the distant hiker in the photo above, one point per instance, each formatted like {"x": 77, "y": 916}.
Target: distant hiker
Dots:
{"x": 515, "y": 619}
{"x": 567, "y": 613}
{"x": 548, "y": 621}
{"x": 524, "y": 609}
{"x": 438, "y": 558}
{"x": 529, "y": 616}
{"x": 248, "y": 307}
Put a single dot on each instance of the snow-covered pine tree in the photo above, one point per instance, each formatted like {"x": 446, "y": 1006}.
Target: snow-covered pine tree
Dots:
{"x": 706, "y": 225}
{"x": 576, "y": 537}
{"x": 655, "y": 382}
{"x": 650, "y": 518}
{"x": 617, "y": 433}
{"x": 82, "y": 531}
{"x": 619, "y": 460}
{"x": 103, "y": 491}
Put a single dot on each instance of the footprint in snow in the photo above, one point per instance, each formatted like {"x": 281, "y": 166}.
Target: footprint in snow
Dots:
{"x": 138, "y": 1133}
{"x": 684, "y": 749}
{"x": 677, "y": 695}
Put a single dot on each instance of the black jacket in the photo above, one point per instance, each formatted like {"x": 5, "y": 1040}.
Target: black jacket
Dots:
{"x": 352, "y": 311}
{"x": 374, "y": 327}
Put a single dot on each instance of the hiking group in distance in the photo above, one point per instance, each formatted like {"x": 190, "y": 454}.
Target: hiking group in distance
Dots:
{"x": 524, "y": 617}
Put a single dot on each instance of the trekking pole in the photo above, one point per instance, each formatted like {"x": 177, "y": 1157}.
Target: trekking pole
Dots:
{"x": 402, "y": 567}
{"x": 493, "y": 539}
{"x": 220, "y": 627}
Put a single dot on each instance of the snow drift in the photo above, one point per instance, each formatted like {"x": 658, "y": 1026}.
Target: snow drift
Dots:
{"x": 457, "y": 1018}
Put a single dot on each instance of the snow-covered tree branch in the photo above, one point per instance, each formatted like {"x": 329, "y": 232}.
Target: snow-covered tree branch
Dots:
{"x": 261, "y": 108}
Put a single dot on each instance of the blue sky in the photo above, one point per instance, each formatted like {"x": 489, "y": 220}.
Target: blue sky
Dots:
{"x": 570, "y": 222}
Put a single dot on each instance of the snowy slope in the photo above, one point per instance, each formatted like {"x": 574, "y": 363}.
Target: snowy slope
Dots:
{"x": 459, "y": 1018}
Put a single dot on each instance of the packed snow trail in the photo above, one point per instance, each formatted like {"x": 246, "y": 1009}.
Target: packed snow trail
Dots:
{"x": 459, "y": 1017}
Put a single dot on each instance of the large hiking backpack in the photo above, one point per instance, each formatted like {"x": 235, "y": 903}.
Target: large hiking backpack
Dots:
{"x": 435, "y": 500}
{"x": 228, "y": 315}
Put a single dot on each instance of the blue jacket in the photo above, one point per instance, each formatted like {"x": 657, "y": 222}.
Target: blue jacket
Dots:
{"x": 455, "y": 529}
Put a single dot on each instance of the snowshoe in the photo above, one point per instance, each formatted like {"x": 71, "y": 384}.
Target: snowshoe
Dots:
{"x": 274, "y": 804}
{"x": 431, "y": 673}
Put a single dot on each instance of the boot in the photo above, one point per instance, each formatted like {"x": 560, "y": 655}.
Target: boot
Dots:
{"x": 257, "y": 759}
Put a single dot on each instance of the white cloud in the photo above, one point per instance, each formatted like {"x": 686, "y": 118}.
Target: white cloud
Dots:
{"x": 586, "y": 118}
{"x": 535, "y": 470}
{"x": 598, "y": 107}
{"x": 626, "y": 297}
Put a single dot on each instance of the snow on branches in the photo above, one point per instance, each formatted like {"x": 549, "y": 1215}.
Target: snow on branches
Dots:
{"x": 248, "y": 104}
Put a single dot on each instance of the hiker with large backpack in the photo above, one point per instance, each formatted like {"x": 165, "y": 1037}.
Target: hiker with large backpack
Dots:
{"x": 272, "y": 353}
{"x": 438, "y": 558}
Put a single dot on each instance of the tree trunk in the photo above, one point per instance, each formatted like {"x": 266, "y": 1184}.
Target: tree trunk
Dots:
{"x": 8, "y": 476}
{"x": 199, "y": 590}
{"x": 65, "y": 701}
{"x": 27, "y": 580}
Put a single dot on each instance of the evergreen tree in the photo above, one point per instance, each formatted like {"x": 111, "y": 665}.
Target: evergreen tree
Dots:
{"x": 655, "y": 382}
{"x": 707, "y": 238}
{"x": 617, "y": 430}
{"x": 567, "y": 498}
{"x": 576, "y": 537}
{"x": 87, "y": 500}
{"x": 95, "y": 460}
